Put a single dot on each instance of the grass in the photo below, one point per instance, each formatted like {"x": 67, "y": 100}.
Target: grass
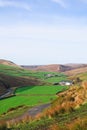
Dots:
{"x": 13, "y": 102}
{"x": 82, "y": 76}
{"x": 15, "y": 113}
{"x": 60, "y": 121}
{"x": 39, "y": 90}
{"x": 56, "y": 79}
{"x": 43, "y": 94}
{"x": 15, "y": 71}
{"x": 42, "y": 124}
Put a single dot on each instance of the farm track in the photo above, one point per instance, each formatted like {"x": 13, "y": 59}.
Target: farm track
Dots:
{"x": 33, "y": 111}
{"x": 38, "y": 109}
{"x": 61, "y": 118}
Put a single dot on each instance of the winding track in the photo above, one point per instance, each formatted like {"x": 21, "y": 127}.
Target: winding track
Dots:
{"x": 38, "y": 109}
{"x": 33, "y": 112}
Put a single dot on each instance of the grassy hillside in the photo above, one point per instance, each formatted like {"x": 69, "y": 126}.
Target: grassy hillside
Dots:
{"x": 68, "y": 112}
{"x": 14, "y": 77}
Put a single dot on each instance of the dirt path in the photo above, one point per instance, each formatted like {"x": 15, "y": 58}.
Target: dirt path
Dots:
{"x": 33, "y": 112}
{"x": 38, "y": 109}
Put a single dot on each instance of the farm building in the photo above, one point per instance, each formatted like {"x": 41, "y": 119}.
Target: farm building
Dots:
{"x": 66, "y": 83}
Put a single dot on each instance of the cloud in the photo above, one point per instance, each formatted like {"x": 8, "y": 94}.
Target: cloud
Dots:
{"x": 60, "y": 2}
{"x": 16, "y": 4}
{"x": 58, "y": 33}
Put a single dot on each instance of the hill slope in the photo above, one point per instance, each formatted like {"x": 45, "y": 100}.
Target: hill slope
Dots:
{"x": 15, "y": 76}
{"x": 76, "y": 71}
{"x": 7, "y": 82}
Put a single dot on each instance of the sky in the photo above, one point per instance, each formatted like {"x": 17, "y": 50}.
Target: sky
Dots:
{"x": 37, "y": 32}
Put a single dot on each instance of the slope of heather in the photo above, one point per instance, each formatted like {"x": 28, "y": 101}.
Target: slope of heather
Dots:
{"x": 7, "y": 82}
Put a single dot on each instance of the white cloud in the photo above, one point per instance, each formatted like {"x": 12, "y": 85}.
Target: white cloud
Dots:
{"x": 60, "y": 2}
{"x": 59, "y": 33}
{"x": 16, "y": 4}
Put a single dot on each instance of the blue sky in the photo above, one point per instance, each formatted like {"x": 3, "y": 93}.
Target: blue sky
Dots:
{"x": 43, "y": 31}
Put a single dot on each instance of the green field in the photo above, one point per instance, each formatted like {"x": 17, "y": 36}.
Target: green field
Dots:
{"x": 42, "y": 94}
{"x": 23, "y": 100}
{"x": 15, "y": 71}
{"x": 39, "y": 90}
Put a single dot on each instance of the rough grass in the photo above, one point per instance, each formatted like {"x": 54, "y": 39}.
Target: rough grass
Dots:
{"x": 75, "y": 120}
{"x": 14, "y": 112}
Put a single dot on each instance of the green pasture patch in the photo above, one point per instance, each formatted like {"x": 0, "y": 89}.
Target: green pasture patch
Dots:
{"x": 15, "y": 101}
{"x": 30, "y": 96}
{"x": 39, "y": 90}
{"x": 55, "y": 79}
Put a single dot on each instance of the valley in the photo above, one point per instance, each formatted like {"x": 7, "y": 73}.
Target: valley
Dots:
{"x": 36, "y": 96}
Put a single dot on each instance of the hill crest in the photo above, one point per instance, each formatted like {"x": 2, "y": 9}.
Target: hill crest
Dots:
{"x": 9, "y": 63}
{"x": 55, "y": 67}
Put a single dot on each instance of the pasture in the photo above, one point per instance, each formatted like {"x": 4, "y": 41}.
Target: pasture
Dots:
{"x": 30, "y": 96}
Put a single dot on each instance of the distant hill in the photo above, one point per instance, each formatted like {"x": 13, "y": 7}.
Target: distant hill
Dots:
{"x": 9, "y": 63}
{"x": 76, "y": 71}
{"x": 48, "y": 68}
{"x": 75, "y": 66}
{"x": 55, "y": 67}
